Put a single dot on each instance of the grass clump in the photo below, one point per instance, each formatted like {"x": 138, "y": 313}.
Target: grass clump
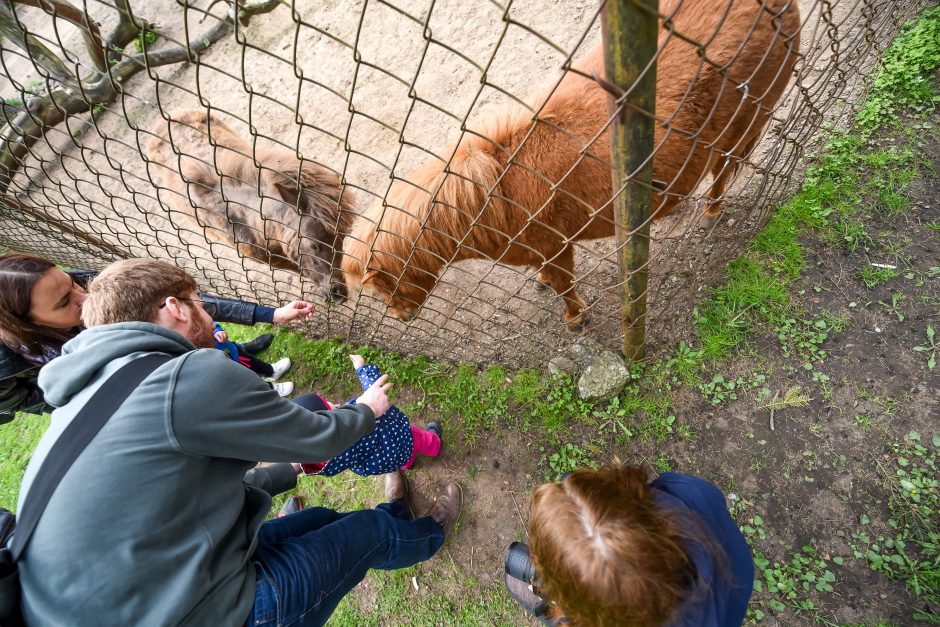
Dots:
{"x": 851, "y": 177}
{"x": 18, "y": 440}
{"x": 908, "y": 547}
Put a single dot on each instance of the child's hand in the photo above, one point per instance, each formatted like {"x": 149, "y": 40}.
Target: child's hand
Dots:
{"x": 357, "y": 361}
{"x": 294, "y": 310}
{"x": 220, "y": 336}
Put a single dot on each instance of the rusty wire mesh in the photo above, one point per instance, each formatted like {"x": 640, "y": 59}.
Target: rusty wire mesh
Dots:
{"x": 322, "y": 111}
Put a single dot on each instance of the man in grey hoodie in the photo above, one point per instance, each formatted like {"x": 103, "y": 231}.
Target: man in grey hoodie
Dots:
{"x": 154, "y": 524}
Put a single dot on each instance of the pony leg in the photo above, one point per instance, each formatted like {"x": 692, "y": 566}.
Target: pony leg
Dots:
{"x": 558, "y": 274}
{"x": 541, "y": 283}
{"x": 721, "y": 172}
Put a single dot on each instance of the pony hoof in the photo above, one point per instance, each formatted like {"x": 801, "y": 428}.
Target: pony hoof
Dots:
{"x": 540, "y": 283}
{"x": 708, "y": 222}
{"x": 576, "y": 324}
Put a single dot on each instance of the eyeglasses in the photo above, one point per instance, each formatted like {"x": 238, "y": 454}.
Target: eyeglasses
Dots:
{"x": 210, "y": 306}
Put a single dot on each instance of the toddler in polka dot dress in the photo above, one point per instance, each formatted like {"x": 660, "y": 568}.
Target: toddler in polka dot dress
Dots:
{"x": 393, "y": 444}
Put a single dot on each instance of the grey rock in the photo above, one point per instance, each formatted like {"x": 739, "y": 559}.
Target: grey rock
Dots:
{"x": 585, "y": 350}
{"x": 603, "y": 372}
{"x": 562, "y": 365}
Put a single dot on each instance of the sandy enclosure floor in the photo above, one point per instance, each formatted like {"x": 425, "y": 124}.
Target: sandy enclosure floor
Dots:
{"x": 374, "y": 89}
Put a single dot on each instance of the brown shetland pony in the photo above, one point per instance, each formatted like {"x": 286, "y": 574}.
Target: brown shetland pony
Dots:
{"x": 523, "y": 191}
{"x": 268, "y": 204}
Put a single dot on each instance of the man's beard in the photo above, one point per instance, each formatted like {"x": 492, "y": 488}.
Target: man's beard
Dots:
{"x": 200, "y": 334}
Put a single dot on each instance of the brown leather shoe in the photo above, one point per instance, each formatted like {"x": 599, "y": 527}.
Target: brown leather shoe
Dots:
{"x": 396, "y": 487}
{"x": 446, "y": 509}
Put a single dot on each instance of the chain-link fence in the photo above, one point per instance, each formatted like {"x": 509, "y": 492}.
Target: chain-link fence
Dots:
{"x": 451, "y": 158}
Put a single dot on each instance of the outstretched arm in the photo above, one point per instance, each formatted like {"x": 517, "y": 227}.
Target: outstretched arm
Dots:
{"x": 248, "y": 314}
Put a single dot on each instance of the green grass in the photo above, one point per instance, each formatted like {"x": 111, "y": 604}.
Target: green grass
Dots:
{"x": 464, "y": 602}
{"x": 851, "y": 177}
{"x": 475, "y": 401}
{"x": 907, "y": 546}
{"x": 18, "y": 440}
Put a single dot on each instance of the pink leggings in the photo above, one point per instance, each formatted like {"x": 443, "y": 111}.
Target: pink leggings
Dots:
{"x": 426, "y": 443}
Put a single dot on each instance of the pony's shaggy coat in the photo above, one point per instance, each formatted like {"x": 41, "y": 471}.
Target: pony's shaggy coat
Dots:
{"x": 521, "y": 191}
{"x": 267, "y": 203}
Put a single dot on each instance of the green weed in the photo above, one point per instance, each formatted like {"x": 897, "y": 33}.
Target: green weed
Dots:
{"x": 561, "y": 404}
{"x": 804, "y": 338}
{"x": 931, "y": 347}
{"x": 683, "y": 367}
{"x": 568, "y": 458}
{"x": 903, "y": 78}
{"x": 783, "y": 585}
{"x": 873, "y": 276}
{"x": 864, "y": 422}
{"x": 894, "y": 307}
{"x": 720, "y": 389}
{"x": 909, "y": 548}
{"x": 145, "y": 39}
{"x": 662, "y": 463}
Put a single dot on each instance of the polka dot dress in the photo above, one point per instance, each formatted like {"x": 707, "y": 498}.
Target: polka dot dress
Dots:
{"x": 386, "y": 449}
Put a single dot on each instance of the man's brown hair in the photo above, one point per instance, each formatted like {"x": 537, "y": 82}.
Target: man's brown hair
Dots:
{"x": 605, "y": 553}
{"x": 132, "y": 290}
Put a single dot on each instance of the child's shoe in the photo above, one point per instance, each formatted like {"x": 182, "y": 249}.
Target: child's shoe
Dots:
{"x": 283, "y": 389}
{"x": 291, "y": 506}
{"x": 435, "y": 428}
{"x": 280, "y": 367}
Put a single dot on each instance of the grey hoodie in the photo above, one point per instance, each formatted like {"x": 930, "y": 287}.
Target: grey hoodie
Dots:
{"x": 153, "y": 524}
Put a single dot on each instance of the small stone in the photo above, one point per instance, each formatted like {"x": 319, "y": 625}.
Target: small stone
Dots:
{"x": 562, "y": 365}
{"x": 584, "y": 351}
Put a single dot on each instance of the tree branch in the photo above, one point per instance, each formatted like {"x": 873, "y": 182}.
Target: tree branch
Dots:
{"x": 40, "y": 115}
{"x": 62, "y": 226}
{"x": 45, "y": 112}
{"x": 11, "y": 29}
{"x": 90, "y": 32}
{"x": 128, "y": 26}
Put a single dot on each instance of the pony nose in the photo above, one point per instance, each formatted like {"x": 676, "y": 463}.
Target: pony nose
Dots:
{"x": 403, "y": 314}
{"x": 338, "y": 292}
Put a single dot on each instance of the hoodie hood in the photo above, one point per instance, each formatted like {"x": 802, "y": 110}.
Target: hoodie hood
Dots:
{"x": 93, "y": 349}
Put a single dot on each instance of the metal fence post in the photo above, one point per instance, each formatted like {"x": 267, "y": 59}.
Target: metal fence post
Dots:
{"x": 630, "y": 29}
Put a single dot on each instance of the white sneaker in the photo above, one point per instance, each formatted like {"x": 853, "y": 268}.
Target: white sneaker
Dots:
{"x": 283, "y": 389}
{"x": 280, "y": 367}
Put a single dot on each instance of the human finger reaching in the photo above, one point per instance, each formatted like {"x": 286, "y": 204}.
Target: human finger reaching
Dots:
{"x": 376, "y": 397}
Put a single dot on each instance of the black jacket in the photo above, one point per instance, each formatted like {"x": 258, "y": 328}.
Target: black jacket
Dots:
{"x": 19, "y": 390}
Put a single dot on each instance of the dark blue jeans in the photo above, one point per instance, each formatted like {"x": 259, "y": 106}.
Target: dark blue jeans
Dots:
{"x": 306, "y": 562}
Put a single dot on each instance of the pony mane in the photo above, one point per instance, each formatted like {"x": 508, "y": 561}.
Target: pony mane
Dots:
{"x": 441, "y": 201}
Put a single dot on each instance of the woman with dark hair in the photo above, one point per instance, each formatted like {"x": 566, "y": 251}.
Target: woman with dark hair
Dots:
{"x": 611, "y": 547}
{"x": 40, "y": 310}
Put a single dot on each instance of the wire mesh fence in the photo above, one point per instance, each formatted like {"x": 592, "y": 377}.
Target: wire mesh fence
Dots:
{"x": 436, "y": 173}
